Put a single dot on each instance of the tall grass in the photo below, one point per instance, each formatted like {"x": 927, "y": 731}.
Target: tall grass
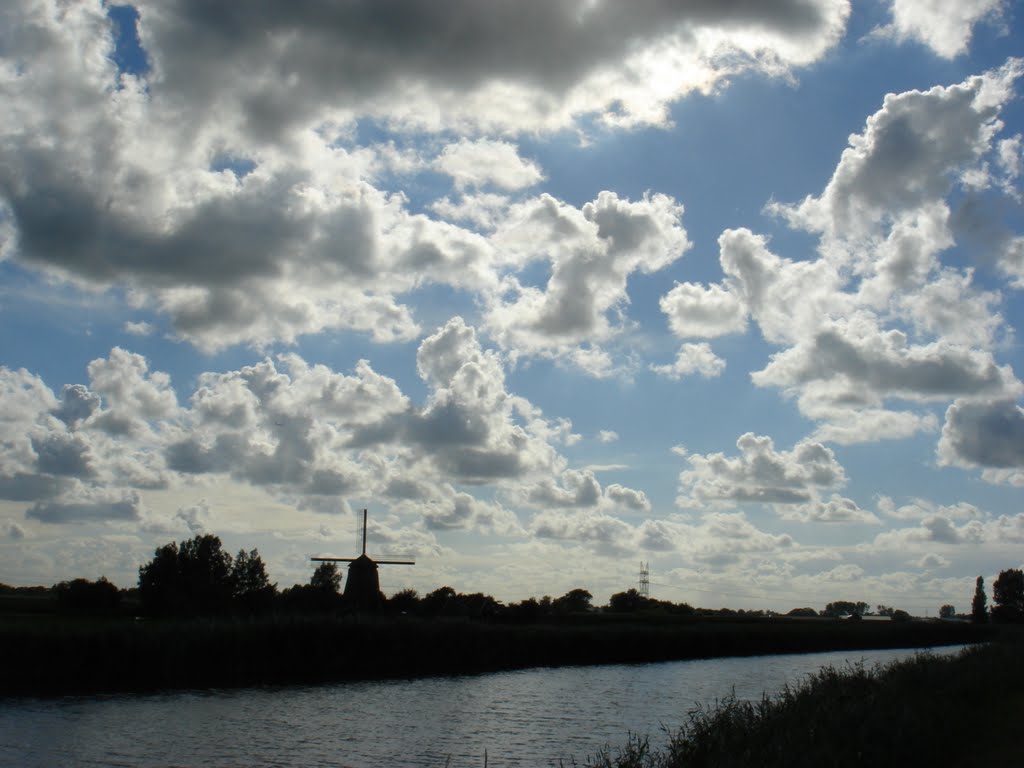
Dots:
{"x": 928, "y": 711}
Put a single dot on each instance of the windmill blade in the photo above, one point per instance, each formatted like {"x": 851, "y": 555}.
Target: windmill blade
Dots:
{"x": 395, "y": 562}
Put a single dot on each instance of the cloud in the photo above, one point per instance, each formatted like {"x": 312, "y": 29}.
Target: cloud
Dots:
{"x": 691, "y": 359}
{"x": 861, "y": 357}
{"x": 13, "y": 530}
{"x": 138, "y": 329}
{"x": 486, "y": 162}
{"x": 918, "y": 509}
{"x": 837, "y": 509}
{"x": 592, "y": 251}
{"x": 697, "y": 311}
{"x": 85, "y": 505}
{"x": 509, "y": 65}
{"x": 946, "y": 28}
{"x": 607, "y": 535}
{"x": 908, "y": 155}
{"x": 931, "y": 561}
{"x": 607, "y": 436}
{"x": 222, "y": 185}
{"x": 983, "y": 434}
{"x": 760, "y": 474}
{"x": 997, "y": 532}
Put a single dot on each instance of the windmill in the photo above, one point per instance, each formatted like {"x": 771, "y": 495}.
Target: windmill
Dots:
{"x": 362, "y": 587}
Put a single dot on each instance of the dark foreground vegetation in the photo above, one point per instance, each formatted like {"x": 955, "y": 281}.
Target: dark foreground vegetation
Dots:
{"x": 930, "y": 711}
{"x": 201, "y": 618}
{"x": 54, "y": 655}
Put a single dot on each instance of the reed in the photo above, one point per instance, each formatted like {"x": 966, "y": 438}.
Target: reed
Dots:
{"x": 927, "y": 710}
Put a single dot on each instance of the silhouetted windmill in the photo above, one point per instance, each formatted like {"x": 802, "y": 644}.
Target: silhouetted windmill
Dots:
{"x": 362, "y": 587}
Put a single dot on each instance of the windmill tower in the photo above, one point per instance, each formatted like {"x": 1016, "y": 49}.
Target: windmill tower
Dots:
{"x": 362, "y": 587}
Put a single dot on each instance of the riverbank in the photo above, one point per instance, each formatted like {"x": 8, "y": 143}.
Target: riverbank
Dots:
{"x": 52, "y": 656}
{"x": 962, "y": 710}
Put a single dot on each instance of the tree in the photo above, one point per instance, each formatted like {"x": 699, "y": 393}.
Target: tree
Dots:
{"x": 884, "y": 610}
{"x": 161, "y": 592}
{"x": 194, "y": 578}
{"x": 845, "y": 608}
{"x": 1008, "y": 596}
{"x": 629, "y": 601}
{"x": 404, "y": 601}
{"x": 947, "y": 612}
{"x": 900, "y": 615}
{"x": 441, "y": 600}
{"x": 573, "y": 601}
{"x": 327, "y": 578}
{"x": 252, "y": 590}
{"x": 979, "y": 613}
{"x": 82, "y": 597}
{"x": 802, "y": 613}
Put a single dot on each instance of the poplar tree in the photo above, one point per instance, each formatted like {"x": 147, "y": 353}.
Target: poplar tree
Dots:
{"x": 979, "y": 612}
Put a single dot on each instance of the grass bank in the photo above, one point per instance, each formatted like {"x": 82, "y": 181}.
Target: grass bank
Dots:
{"x": 937, "y": 711}
{"x": 53, "y": 655}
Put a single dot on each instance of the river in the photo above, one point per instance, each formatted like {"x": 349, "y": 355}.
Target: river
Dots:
{"x": 533, "y": 717}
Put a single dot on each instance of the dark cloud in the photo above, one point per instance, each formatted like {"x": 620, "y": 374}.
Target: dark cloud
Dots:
{"x": 77, "y": 404}
{"x": 986, "y": 434}
{"x": 349, "y": 53}
{"x": 85, "y": 511}
{"x": 65, "y": 455}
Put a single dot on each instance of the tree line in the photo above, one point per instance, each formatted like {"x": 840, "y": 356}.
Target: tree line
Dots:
{"x": 199, "y": 578}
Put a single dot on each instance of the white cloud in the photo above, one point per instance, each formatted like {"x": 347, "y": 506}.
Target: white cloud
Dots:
{"x": 918, "y": 509}
{"x": 486, "y": 162}
{"x": 593, "y": 251}
{"x": 945, "y": 26}
{"x": 138, "y": 329}
{"x": 908, "y": 155}
{"x": 691, "y": 359}
{"x": 694, "y": 310}
{"x": 607, "y": 436}
{"x": 760, "y": 474}
{"x": 836, "y": 509}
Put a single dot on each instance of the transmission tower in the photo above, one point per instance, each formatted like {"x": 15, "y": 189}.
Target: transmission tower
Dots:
{"x": 645, "y": 580}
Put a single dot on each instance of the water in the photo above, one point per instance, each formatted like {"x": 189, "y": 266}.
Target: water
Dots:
{"x": 533, "y": 717}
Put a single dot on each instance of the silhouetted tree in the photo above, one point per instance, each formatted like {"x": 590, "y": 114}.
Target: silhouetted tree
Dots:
{"x": 1008, "y": 596}
{"x": 525, "y": 610}
{"x": 193, "y": 579}
{"x": 900, "y": 615}
{"x": 82, "y": 597}
{"x": 947, "y": 612}
{"x": 252, "y": 591}
{"x": 803, "y": 612}
{"x": 326, "y": 577}
{"x": 404, "y": 601}
{"x": 161, "y": 591}
{"x": 884, "y": 610}
{"x": 439, "y": 602}
{"x": 979, "y": 611}
{"x": 573, "y": 601}
{"x": 845, "y": 608}
{"x": 629, "y": 601}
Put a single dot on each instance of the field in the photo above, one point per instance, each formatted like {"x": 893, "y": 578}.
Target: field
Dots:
{"x": 50, "y": 655}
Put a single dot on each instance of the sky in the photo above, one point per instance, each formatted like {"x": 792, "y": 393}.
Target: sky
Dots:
{"x": 553, "y": 288}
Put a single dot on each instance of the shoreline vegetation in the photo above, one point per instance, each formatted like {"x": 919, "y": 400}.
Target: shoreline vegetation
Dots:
{"x": 201, "y": 618}
{"x": 54, "y": 655}
{"x": 962, "y": 710}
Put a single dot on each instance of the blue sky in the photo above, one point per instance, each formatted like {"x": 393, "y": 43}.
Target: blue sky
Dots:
{"x": 551, "y": 288}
